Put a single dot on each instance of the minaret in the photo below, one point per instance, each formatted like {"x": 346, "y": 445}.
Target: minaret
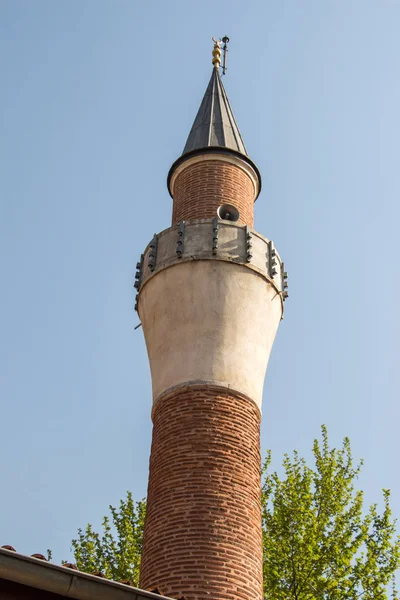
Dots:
{"x": 210, "y": 299}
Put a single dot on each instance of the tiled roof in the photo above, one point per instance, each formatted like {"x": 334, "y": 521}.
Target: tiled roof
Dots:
{"x": 36, "y": 571}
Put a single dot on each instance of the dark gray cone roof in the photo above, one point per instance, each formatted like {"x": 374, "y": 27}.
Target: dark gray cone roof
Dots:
{"x": 214, "y": 129}
{"x": 215, "y": 125}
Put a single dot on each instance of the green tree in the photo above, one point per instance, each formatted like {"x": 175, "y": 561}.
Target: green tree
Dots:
{"x": 116, "y": 551}
{"x": 319, "y": 543}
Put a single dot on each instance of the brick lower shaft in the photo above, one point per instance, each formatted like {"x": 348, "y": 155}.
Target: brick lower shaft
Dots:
{"x": 203, "y": 537}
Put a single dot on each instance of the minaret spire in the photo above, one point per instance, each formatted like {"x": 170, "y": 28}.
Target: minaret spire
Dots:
{"x": 215, "y": 125}
{"x": 215, "y": 129}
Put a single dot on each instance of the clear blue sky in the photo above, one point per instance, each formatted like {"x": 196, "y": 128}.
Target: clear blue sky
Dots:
{"x": 97, "y": 99}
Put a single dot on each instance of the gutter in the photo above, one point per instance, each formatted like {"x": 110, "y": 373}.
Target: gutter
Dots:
{"x": 42, "y": 575}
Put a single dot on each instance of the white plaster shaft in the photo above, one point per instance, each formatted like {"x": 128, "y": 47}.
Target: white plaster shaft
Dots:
{"x": 209, "y": 320}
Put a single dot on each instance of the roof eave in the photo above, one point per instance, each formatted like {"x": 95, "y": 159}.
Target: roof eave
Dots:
{"x": 66, "y": 582}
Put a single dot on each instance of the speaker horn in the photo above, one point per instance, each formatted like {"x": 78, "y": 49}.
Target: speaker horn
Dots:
{"x": 227, "y": 212}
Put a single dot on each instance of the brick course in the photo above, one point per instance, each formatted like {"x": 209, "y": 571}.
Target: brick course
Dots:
{"x": 203, "y": 536}
{"x": 202, "y": 187}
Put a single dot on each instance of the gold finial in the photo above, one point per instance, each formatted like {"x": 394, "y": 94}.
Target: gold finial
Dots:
{"x": 216, "y": 61}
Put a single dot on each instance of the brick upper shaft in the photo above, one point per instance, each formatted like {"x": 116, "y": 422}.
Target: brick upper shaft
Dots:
{"x": 203, "y": 537}
{"x": 201, "y": 187}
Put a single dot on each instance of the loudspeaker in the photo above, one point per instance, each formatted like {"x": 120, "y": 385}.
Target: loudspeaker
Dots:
{"x": 227, "y": 212}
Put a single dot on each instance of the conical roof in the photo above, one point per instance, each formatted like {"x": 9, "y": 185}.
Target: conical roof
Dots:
{"x": 214, "y": 129}
{"x": 215, "y": 125}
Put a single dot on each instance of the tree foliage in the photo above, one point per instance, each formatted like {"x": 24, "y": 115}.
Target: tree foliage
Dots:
{"x": 116, "y": 551}
{"x": 319, "y": 542}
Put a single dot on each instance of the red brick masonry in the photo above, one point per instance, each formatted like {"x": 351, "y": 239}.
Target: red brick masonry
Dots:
{"x": 203, "y": 528}
{"x": 201, "y": 188}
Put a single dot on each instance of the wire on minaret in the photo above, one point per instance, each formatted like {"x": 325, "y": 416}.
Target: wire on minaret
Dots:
{"x": 225, "y": 40}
